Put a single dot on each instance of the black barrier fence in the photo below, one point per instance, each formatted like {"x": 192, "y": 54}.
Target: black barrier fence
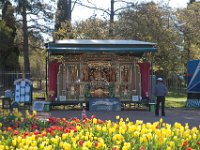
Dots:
{"x": 7, "y": 79}
{"x": 175, "y": 84}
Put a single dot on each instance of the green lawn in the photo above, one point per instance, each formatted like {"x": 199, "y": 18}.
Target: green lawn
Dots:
{"x": 176, "y": 100}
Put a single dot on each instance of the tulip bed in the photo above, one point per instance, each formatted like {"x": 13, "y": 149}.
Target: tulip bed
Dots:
{"x": 26, "y": 131}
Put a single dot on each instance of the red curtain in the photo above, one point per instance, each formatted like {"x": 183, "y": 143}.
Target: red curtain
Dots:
{"x": 52, "y": 80}
{"x": 145, "y": 79}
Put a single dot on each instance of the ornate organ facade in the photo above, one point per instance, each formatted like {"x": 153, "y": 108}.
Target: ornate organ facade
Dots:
{"x": 91, "y": 75}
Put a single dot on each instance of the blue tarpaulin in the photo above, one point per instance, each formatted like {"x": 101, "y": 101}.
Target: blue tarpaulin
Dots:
{"x": 193, "y": 74}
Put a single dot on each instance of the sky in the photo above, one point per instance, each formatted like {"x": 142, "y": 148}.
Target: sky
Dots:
{"x": 81, "y": 13}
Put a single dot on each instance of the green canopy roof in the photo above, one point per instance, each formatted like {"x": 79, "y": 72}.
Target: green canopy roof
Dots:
{"x": 116, "y": 46}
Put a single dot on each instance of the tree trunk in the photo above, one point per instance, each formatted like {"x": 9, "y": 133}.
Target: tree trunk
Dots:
{"x": 25, "y": 44}
{"x": 111, "y": 19}
{"x": 69, "y": 13}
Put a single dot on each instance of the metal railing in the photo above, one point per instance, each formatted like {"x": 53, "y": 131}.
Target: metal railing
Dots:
{"x": 7, "y": 79}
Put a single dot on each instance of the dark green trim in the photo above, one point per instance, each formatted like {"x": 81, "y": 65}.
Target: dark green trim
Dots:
{"x": 100, "y": 49}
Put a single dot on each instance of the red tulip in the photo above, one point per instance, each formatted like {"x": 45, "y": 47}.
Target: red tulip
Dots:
{"x": 16, "y": 132}
{"x": 9, "y": 129}
{"x": 95, "y": 144}
{"x": 80, "y": 142}
{"x": 198, "y": 143}
{"x": 184, "y": 144}
{"x": 142, "y": 148}
{"x": 25, "y": 133}
{"x": 115, "y": 148}
{"x": 63, "y": 119}
{"x": 36, "y": 132}
{"x": 93, "y": 116}
{"x": 99, "y": 121}
{"x": 44, "y": 133}
{"x": 49, "y": 130}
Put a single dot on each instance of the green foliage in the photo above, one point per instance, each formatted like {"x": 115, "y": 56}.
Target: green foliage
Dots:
{"x": 65, "y": 31}
{"x": 37, "y": 58}
{"x": 189, "y": 26}
{"x": 40, "y": 12}
{"x": 150, "y": 22}
{"x": 5, "y": 33}
{"x": 8, "y": 52}
{"x": 92, "y": 29}
{"x": 88, "y": 29}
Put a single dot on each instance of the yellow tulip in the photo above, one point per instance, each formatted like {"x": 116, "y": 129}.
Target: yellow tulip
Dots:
{"x": 98, "y": 127}
{"x": 139, "y": 122}
{"x": 14, "y": 142}
{"x": 66, "y": 146}
{"x": 149, "y": 136}
{"x": 49, "y": 147}
{"x": 19, "y": 139}
{"x": 127, "y": 119}
{"x": 104, "y": 129}
{"x": 195, "y": 130}
{"x": 64, "y": 136}
{"x": 84, "y": 148}
{"x": 141, "y": 139}
{"x": 194, "y": 136}
{"x": 78, "y": 128}
{"x": 25, "y": 147}
{"x": 168, "y": 148}
{"x": 136, "y": 134}
{"x": 71, "y": 133}
{"x": 125, "y": 148}
{"x": 175, "y": 138}
{"x": 34, "y": 113}
{"x": 171, "y": 144}
{"x": 41, "y": 146}
{"x": 2, "y": 147}
{"x": 73, "y": 140}
{"x": 89, "y": 144}
{"x": 122, "y": 130}
{"x": 94, "y": 121}
{"x": 74, "y": 145}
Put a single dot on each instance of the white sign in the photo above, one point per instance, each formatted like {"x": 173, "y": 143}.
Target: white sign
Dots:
{"x": 39, "y": 105}
{"x": 135, "y": 98}
{"x": 62, "y": 98}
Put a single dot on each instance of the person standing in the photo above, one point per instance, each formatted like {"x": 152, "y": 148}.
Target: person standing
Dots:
{"x": 160, "y": 92}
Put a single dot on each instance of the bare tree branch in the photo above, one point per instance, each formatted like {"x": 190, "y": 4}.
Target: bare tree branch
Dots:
{"x": 74, "y": 5}
{"x": 40, "y": 27}
{"x": 122, "y": 8}
{"x": 122, "y": 1}
{"x": 94, "y": 7}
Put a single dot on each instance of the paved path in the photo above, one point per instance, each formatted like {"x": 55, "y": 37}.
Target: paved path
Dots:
{"x": 191, "y": 116}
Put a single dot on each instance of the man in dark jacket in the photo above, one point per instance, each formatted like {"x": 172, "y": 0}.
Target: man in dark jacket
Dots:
{"x": 160, "y": 92}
